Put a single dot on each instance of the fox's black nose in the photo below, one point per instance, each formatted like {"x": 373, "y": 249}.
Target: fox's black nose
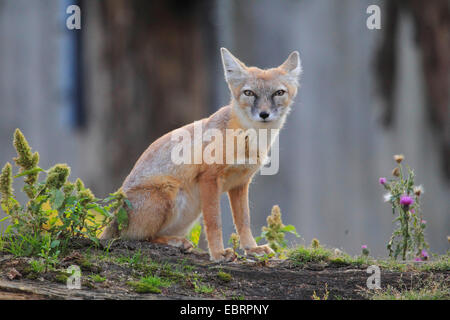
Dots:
{"x": 263, "y": 114}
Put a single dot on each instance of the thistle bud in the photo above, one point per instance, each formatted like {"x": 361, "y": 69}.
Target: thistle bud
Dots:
{"x": 365, "y": 250}
{"x": 399, "y": 158}
{"x": 418, "y": 190}
{"x": 396, "y": 172}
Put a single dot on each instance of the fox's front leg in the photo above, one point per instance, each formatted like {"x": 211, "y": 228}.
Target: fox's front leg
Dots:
{"x": 241, "y": 217}
{"x": 210, "y": 198}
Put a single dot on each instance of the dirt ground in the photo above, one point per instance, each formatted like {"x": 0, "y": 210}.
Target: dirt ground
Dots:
{"x": 108, "y": 273}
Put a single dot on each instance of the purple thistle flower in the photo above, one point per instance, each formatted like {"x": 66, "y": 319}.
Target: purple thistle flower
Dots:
{"x": 364, "y": 250}
{"x": 417, "y": 259}
{"x": 424, "y": 253}
{"x": 382, "y": 181}
{"x": 406, "y": 200}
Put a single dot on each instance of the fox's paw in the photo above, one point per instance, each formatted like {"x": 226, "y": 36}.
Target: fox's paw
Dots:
{"x": 226, "y": 255}
{"x": 187, "y": 245}
{"x": 259, "y": 251}
{"x": 182, "y": 243}
{"x": 178, "y": 242}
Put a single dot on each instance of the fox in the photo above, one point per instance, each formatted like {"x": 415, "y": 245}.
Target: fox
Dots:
{"x": 167, "y": 199}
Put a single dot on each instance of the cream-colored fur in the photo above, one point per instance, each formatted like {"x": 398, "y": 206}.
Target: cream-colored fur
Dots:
{"x": 168, "y": 198}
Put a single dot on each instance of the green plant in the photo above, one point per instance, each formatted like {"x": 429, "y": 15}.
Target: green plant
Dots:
{"x": 264, "y": 259}
{"x": 203, "y": 288}
{"x": 49, "y": 251}
{"x": 325, "y": 294}
{"x": 316, "y": 253}
{"x": 137, "y": 258}
{"x": 302, "y": 255}
{"x": 427, "y": 289}
{"x": 408, "y": 239}
{"x": 2, "y": 234}
{"x": 57, "y": 210}
{"x": 315, "y": 243}
{"x": 97, "y": 278}
{"x": 365, "y": 250}
{"x": 62, "y": 277}
{"x": 439, "y": 263}
{"x": 344, "y": 259}
{"x": 275, "y": 231}
{"x": 38, "y": 266}
{"x": 150, "y": 284}
{"x": 225, "y": 277}
{"x": 234, "y": 242}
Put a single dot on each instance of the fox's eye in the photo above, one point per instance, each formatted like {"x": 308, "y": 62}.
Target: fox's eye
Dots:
{"x": 279, "y": 92}
{"x": 249, "y": 93}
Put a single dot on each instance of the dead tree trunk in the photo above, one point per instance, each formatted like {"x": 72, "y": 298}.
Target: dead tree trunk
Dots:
{"x": 154, "y": 58}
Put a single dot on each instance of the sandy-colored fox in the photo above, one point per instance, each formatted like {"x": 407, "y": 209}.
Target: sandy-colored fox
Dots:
{"x": 168, "y": 198}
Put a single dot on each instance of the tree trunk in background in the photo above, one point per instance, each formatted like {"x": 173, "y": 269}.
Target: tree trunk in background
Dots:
{"x": 431, "y": 21}
{"x": 154, "y": 59}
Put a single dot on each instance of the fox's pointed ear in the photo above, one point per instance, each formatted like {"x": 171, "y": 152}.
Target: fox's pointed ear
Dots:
{"x": 293, "y": 65}
{"x": 233, "y": 68}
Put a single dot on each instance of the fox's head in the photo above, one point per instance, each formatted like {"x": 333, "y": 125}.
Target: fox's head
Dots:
{"x": 262, "y": 98}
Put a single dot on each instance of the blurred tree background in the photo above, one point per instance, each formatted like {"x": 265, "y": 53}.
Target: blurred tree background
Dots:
{"x": 95, "y": 98}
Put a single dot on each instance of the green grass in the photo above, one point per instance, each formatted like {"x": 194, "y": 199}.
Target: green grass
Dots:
{"x": 344, "y": 259}
{"x": 422, "y": 290}
{"x": 225, "y": 277}
{"x": 150, "y": 284}
{"x": 135, "y": 260}
{"x": 203, "y": 288}
{"x": 174, "y": 273}
{"x": 97, "y": 278}
{"x": 141, "y": 263}
{"x": 61, "y": 278}
{"x": 303, "y": 255}
{"x": 441, "y": 264}
{"x": 37, "y": 266}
